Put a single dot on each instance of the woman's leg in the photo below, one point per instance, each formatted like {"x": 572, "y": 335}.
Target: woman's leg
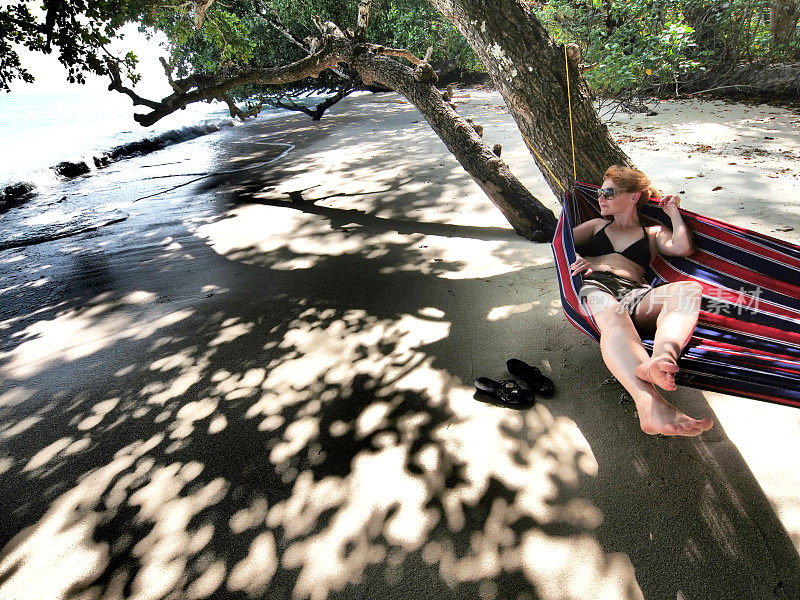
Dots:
{"x": 671, "y": 311}
{"x": 623, "y": 352}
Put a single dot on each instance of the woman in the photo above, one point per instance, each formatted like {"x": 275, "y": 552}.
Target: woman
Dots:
{"x": 621, "y": 302}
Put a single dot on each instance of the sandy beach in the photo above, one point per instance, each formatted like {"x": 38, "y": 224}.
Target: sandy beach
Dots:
{"x": 256, "y": 382}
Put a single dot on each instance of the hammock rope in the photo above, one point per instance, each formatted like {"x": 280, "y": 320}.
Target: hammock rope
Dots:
{"x": 571, "y": 131}
{"x": 569, "y": 110}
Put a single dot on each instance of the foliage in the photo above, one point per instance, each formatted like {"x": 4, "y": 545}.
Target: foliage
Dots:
{"x": 639, "y": 45}
{"x": 415, "y": 26}
{"x": 239, "y": 32}
{"x": 234, "y": 33}
{"x": 649, "y": 45}
{"x": 77, "y": 30}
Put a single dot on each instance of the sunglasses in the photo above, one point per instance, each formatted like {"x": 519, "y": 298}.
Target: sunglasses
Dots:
{"x": 608, "y": 192}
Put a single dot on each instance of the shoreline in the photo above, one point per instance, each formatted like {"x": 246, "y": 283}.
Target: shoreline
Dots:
{"x": 261, "y": 383}
{"x": 15, "y": 194}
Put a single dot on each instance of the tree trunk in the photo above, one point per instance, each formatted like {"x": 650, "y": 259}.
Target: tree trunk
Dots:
{"x": 783, "y": 25}
{"x": 528, "y": 69}
{"x": 526, "y": 214}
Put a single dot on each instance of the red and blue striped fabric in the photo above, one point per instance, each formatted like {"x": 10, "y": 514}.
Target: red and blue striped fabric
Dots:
{"x": 747, "y": 340}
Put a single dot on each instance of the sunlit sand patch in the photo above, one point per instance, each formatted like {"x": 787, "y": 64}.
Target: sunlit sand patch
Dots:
{"x": 372, "y": 418}
{"x": 160, "y": 393}
{"x": 333, "y": 355}
{"x": 551, "y": 456}
{"x": 779, "y": 480}
{"x": 232, "y": 386}
{"x": 165, "y": 502}
{"x": 99, "y": 411}
{"x": 262, "y": 228}
{"x": 252, "y": 233}
{"x": 231, "y": 330}
{"x": 488, "y": 553}
{"x": 209, "y": 581}
{"x": 62, "y": 542}
{"x": 498, "y": 313}
{"x": 297, "y": 436}
{"x": 61, "y": 548}
{"x": 12, "y": 428}
{"x": 321, "y": 177}
{"x": 250, "y": 517}
{"x": 15, "y": 396}
{"x": 78, "y": 334}
{"x": 339, "y": 554}
{"x": 47, "y": 454}
{"x": 188, "y": 414}
{"x": 254, "y": 572}
{"x": 217, "y": 424}
{"x": 566, "y": 567}
{"x": 467, "y": 258}
{"x": 139, "y": 297}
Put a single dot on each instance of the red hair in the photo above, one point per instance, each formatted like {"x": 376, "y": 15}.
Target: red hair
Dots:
{"x": 632, "y": 180}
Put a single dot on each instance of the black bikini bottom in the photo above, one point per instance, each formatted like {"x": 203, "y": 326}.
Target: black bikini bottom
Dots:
{"x": 628, "y": 292}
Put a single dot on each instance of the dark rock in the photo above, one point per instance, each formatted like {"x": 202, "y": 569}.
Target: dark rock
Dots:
{"x": 101, "y": 161}
{"x": 15, "y": 194}
{"x": 71, "y": 169}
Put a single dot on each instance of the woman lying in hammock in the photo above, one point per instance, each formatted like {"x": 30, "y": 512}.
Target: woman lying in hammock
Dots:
{"x": 621, "y": 302}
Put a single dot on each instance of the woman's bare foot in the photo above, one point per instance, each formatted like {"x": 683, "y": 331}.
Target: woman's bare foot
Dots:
{"x": 657, "y": 416}
{"x": 659, "y": 371}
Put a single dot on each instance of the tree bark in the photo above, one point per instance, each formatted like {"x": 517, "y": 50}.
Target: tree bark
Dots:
{"x": 529, "y": 70}
{"x": 772, "y": 80}
{"x": 784, "y": 15}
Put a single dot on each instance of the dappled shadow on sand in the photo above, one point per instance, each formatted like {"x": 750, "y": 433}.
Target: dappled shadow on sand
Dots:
{"x": 277, "y": 403}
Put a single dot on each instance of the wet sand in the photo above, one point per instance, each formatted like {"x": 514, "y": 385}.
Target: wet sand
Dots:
{"x": 259, "y": 383}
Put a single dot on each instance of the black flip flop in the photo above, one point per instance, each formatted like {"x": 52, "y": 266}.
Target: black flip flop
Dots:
{"x": 531, "y": 376}
{"x": 507, "y": 391}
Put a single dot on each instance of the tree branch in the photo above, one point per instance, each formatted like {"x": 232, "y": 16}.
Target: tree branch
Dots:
{"x": 363, "y": 20}
{"x": 209, "y": 87}
{"x": 528, "y": 216}
{"x": 309, "y": 45}
{"x": 200, "y": 8}
{"x": 277, "y": 24}
{"x": 168, "y": 72}
{"x": 316, "y": 112}
{"x": 116, "y": 85}
{"x": 327, "y": 27}
{"x": 384, "y": 51}
{"x": 235, "y": 111}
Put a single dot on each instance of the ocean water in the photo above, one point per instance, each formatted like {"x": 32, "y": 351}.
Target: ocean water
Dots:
{"x": 39, "y": 130}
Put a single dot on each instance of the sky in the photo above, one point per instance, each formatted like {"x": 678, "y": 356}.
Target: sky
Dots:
{"x": 51, "y": 76}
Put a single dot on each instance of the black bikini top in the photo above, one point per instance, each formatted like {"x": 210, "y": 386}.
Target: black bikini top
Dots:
{"x": 599, "y": 245}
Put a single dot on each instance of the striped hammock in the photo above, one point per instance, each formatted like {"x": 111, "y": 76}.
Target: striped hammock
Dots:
{"x": 747, "y": 340}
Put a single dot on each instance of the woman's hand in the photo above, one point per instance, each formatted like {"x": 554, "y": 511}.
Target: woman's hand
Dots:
{"x": 580, "y": 265}
{"x": 670, "y": 204}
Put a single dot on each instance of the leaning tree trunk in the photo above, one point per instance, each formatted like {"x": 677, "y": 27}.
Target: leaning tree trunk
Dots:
{"x": 783, "y": 24}
{"x": 528, "y": 69}
{"x": 529, "y": 217}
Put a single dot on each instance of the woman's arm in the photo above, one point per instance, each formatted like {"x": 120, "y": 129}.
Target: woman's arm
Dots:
{"x": 580, "y": 236}
{"x": 680, "y": 241}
